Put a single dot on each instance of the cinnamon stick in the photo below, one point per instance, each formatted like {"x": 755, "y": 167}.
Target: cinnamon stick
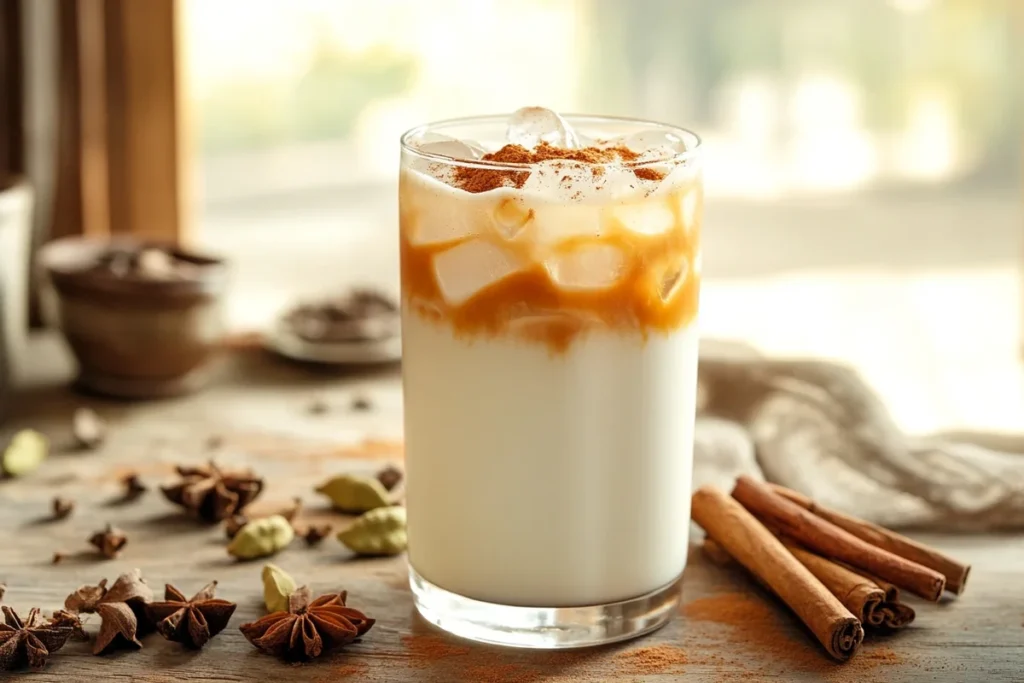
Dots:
{"x": 860, "y": 595}
{"x": 955, "y": 572}
{"x": 752, "y": 545}
{"x": 821, "y": 536}
{"x": 875, "y": 604}
{"x": 891, "y": 614}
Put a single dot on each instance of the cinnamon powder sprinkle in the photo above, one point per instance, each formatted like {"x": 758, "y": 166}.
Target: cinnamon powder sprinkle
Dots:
{"x": 425, "y": 649}
{"x": 483, "y": 179}
{"x": 652, "y": 660}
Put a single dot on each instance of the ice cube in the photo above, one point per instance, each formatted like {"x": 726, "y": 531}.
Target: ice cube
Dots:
{"x": 664, "y": 144}
{"x": 684, "y": 184}
{"x": 653, "y": 216}
{"x": 470, "y": 267}
{"x": 559, "y": 180}
{"x": 442, "y": 145}
{"x": 619, "y": 183}
{"x": 691, "y": 206}
{"x": 672, "y": 280}
{"x": 593, "y": 266}
{"x": 511, "y": 216}
{"x": 558, "y": 328}
{"x": 530, "y": 126}
{"x": 432, "y": 212}
{"x": 555, "y": 223}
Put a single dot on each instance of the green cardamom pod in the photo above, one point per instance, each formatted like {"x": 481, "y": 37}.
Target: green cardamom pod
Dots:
{"x": 261, "y": 538}
{"x": 24, "y": 453}
{"x": 278, "y": 585}
{"x": 378, "y": 532}
{"x": 353, "y": 493}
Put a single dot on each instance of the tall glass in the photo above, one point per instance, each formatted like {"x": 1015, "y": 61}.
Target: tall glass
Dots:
{"x": 549, "y": 333}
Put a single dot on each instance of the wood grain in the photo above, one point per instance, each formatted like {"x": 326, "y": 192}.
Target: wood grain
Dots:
{"x": 259, "y": 408}
{"x": 122, "y": 125}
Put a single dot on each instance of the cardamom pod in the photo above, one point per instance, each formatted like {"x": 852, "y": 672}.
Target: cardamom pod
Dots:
{"x": 378, "y": 532}
{"x": 354, "y": 493}
{"x": 24, "y": 453}
{"x": 261, "y": 538}
{"x": 277, "y": 587}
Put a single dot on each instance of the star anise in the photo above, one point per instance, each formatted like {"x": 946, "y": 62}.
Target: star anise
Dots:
{"x": 192, "y": 622}
{"x": 390, "y": 477}
{"x": 62, "y": 507}
{"x": 109, "y": 541}
{"x": 133, "y": 487}
{"x": 63, "y": 618}
{"x": 309, "y": 627}
{"x": 212, "y": 494}
{"x": 315, "y": 533}
{"x": 30, "y": 641}
{"x": 122, "y": 610}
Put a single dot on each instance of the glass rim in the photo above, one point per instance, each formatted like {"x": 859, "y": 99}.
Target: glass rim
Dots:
{"x": 680, "y": 158}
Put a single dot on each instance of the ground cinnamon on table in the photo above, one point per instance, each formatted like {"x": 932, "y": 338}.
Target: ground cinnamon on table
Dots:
{"x": 651, "y": 660}
{"x": 759, "y": 645}
{"x": 429, "y": 648}
{"x": 756, "y": 624}
{"x": 356, "y": 671}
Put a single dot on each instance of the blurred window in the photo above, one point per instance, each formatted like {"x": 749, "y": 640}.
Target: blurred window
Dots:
{"x": 791, "y": 96}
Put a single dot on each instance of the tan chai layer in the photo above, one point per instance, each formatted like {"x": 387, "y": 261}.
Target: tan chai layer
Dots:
{"x": 646, "y": 244}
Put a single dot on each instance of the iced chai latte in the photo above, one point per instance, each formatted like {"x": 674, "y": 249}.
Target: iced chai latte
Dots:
{"x": 550, "y": 280}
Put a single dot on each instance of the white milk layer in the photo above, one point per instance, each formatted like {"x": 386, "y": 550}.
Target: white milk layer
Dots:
{"x": 543, "y": 479}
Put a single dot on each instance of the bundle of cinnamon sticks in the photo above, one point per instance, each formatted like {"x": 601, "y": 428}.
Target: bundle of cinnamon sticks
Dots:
{"x": 839, "y": 574}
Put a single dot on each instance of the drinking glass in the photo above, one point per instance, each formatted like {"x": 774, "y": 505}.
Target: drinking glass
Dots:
{"x": 549, "y": 334}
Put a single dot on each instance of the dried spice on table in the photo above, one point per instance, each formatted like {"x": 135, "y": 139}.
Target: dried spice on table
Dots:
{"x": 309, "y": 627}
{"x": 62, "y": 507}
{"x": 133, "y": 487}
{"x": 122, "y": 610}
{"x": 109, "y": 541}
{"x": 190, "y": 621}
{"x": 315, "y": 533}
{"x": 29, "y": 641}
{"x": 390, "y": 477}
{"x": 64, "y": 618}
{"x": 212, "y": 493}
{"x": 378, "y": 532}
{"x": 353, "y": 493}
{"x": 234, "y": 523}
{"x": 24, "y": 454}
{"x": 278, "y": 585}
{"x": 318, "y": 406}
{"x": 361, "y": 403}
{"x": 262, "y": 538}
{"x": 88, "y": 428}
{"x": 360, "y": 315}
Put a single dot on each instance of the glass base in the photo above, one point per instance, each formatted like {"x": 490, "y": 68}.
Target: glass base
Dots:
{"x": 543, "y": 627}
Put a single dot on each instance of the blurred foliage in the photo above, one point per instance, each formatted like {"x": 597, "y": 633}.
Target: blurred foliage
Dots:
{"x": 325, "y": 103}
{"x": 968, "y": 49}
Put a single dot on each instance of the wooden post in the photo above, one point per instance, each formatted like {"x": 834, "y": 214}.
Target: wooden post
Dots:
{"x": 12, "y": 92}
{"x": 122, "y": 134}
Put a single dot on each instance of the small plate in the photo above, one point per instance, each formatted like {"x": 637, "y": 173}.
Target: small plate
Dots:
{"x": 284, "y": 341}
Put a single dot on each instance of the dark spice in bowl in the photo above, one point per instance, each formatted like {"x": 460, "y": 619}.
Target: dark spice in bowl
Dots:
{"x": 360, "y": 315}
{"x": 143, "y": 319}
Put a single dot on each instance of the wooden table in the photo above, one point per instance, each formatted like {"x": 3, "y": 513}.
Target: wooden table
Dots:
{"x": 727, "y": 629}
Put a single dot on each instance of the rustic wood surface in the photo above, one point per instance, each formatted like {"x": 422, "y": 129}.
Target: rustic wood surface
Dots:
{"x": 260, "y": 408}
